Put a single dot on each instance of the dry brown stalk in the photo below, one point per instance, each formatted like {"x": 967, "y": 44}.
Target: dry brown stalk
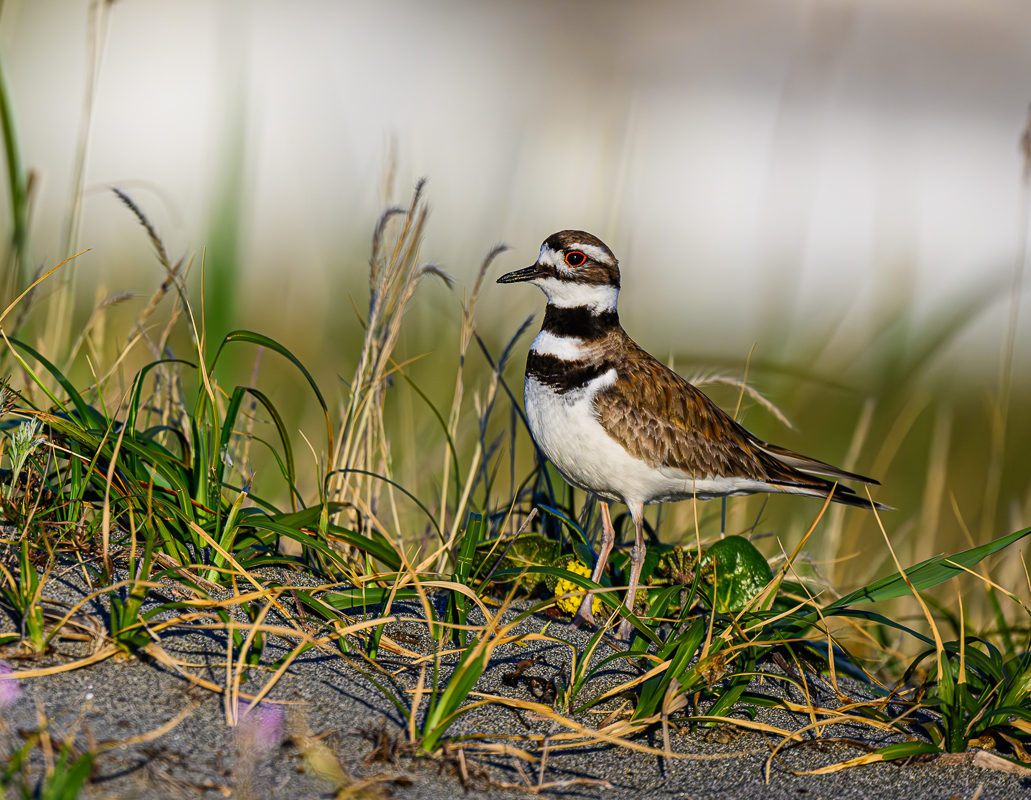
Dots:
{"x": 361, "y": 442}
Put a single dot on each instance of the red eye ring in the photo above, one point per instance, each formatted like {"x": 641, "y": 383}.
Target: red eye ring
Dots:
{"x": 575, "y": 258}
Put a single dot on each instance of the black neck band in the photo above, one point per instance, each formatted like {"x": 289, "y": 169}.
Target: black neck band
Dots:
{"x": 579, "y": 321}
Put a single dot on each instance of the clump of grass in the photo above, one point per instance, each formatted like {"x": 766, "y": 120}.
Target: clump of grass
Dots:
{"x": 151, "y": 480}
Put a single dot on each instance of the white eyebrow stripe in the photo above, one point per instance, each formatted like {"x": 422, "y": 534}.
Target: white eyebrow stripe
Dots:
{"x": 595, "y": 253}
{"x": 565, "y": 348}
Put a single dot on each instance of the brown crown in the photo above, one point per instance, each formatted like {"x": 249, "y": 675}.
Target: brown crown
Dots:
{"x": 594, "y": 270}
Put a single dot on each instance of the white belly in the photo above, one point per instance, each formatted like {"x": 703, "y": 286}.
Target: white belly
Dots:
{"x": 566, "y": 429}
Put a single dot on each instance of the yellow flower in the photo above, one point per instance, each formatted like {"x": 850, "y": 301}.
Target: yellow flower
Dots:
{"x": 575, "y": 594}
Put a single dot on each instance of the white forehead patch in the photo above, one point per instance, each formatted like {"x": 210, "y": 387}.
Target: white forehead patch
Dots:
{"x": 547, "y": 256}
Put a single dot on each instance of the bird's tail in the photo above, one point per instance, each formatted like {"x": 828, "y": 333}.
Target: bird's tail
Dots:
{"x": 842, "y": 494}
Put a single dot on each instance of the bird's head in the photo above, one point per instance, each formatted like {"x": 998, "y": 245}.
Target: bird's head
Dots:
{"x": 574, "y": 269}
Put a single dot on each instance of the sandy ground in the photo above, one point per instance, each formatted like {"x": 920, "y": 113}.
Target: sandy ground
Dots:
{"x": 328, "y": 719}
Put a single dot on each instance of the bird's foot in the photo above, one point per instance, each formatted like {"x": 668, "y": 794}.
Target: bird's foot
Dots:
{"x": 584, "y": 615}
{"x": 625, "y": 631}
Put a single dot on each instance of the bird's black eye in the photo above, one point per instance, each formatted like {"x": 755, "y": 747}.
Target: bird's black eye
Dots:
{"x": 575, "y": 258}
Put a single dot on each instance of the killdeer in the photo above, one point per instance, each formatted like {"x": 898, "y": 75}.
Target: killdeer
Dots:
{"x": 619, "y": 424}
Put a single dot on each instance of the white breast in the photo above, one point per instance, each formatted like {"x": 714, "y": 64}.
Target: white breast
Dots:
{"x": 568, "y": 432}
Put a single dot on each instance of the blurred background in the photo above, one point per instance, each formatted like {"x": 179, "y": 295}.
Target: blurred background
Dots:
{"x": 752, "y": 164}
{"x": 837, "y": 183}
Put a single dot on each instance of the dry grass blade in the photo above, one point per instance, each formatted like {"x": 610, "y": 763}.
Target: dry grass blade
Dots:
{"x": 755, "y": 394}
{"x": 751, "y": 725}
{"x": 36, "y": 283}
{"x": 393, "y": 278}
{"x": 233, "y": 690}
{"x": 852, "y": 718}
{"x": 465, "y": 336}
{"x": 764, "y": 598}
{"x": 939, "y": 646}
{"x": 985, "y": 579}
{"x": 617, "y": 734}
{"x": 43, "y": 672}
{"x": 149, "y": 736}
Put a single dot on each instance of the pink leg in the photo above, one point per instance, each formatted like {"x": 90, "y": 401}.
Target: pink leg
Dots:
{"x": 584, "y": 615}
{"x": 636, "y": 562}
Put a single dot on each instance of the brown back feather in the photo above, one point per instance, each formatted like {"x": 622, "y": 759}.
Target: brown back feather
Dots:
{"x": 665, "y": 421}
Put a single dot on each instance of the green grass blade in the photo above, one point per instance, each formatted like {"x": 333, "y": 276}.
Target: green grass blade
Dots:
{"x": 926, "y": 574}
{"x": 137, "y": 388}
{"x": 227, "y": 431}
{"x": 554, "y": 512}
{"x": 306, "y": 517}
{"x": 272, "y": 344}
{"x": 17, "y": 183}
{"x": 356, "y": 597}
{"x": 88, "y": 415}
{"x": 290, "y": 469}
{"x": 397, "y": 486}
{"x": 893, "y": 752}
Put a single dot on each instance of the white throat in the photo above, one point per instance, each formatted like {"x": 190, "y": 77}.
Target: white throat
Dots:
{"x": 600, "y": 298}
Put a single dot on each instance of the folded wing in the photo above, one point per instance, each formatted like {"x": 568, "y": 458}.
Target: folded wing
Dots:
{"x": 663, "y": 420}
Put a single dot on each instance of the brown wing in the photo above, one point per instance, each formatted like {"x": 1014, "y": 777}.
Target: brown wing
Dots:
{"x": 662, "y": 419}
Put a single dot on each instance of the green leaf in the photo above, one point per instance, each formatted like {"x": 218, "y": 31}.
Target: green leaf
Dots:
{"x": 67, "y": 781}
{"x": 474, "y": 529}
{"x": 893, "y": 752}
{"x": 290, "y": 471}
{"x": 87, "y": 415}
{"x": 741, "y": 572}
{"x": 227, "y": 433}
{"x": 375, "y": 544}
{"x": 306, "y": 517}
{"x": 576, "y": 529}
{"x": 449, "y": 707}
{"x": 527, "y": 548}
{"x": 926, "y": 574}
{"x": 256, "y": 521}
{"x": 134, "y": 404}
{"x": 356, "y": 597}
{"x": 654, "y": 689}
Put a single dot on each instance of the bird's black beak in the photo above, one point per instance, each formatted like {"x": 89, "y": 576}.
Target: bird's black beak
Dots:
{"x": 520, "y": 275}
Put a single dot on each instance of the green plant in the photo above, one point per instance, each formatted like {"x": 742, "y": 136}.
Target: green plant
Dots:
{"x": 447, "y": 698}
{"x": 70, "y": 772}
{"x": 24, "y": 442}
{"x": 159, "y": 479}
{"x": 978, "y": 693}
{"x": 24, "y": 594}
{"x": 458, "y": 603}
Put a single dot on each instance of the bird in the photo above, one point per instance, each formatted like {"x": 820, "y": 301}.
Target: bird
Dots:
{"x": 619, "y": 424}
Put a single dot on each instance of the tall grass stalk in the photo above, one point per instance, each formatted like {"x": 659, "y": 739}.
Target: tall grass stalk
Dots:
{"x": 15, "y": 258}
{"x": 464, "y": 339}
{"x": 361, "y": 444}
{"x": 60, "y": 311}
